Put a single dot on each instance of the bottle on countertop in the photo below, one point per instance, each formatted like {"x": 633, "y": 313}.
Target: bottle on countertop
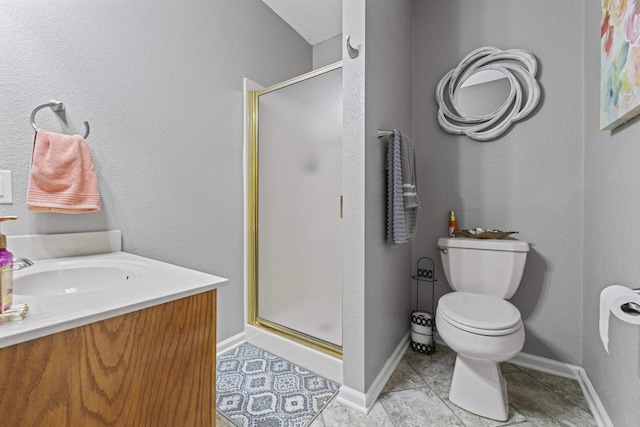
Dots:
{"x": 6, "y": 270}
{"x": 452, "y": 224}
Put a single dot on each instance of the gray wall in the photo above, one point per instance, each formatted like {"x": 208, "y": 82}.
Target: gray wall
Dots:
{"x": 376, "y": 290}
{"x": 353, "y": 270}
{"x": 174, "y": 186}
{"x": 611, "y": 244}
{"x": 387, "y": 106}
{"x": 327, "y": 52}
{"x": 529, "y": 180}
{"x": 160, "y": 83}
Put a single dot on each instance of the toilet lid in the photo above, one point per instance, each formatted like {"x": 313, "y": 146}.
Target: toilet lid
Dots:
{"x": 480, "y": 314}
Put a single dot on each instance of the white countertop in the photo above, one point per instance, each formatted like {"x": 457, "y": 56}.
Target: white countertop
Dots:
{"x": 160, "y": 283}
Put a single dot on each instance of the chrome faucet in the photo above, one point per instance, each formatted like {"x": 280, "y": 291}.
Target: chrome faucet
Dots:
{"x": 20, "y": 263}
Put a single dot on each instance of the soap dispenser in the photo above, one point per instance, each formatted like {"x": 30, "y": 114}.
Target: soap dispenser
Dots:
{"x": 6, "y": 270}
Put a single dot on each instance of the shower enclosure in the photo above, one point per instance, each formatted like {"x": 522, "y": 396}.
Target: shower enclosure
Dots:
{"x": 295, "y": 209}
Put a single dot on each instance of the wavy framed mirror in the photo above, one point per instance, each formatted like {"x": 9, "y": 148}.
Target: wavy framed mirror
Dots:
{"x": 487, "y": 92}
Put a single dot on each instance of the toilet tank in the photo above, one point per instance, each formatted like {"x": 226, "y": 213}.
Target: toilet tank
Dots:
{"x": 483, "y": 266}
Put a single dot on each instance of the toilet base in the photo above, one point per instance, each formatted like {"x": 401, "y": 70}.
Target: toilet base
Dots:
{"x": 479, "y": 387}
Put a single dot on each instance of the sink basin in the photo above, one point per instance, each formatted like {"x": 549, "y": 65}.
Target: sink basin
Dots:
{"x": 78, "y": 276}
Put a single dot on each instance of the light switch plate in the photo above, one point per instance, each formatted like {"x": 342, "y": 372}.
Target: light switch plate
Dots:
{"x": 6, "y": 192}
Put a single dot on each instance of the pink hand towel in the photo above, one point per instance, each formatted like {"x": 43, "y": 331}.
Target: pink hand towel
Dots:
{"x": 63, "y": 176}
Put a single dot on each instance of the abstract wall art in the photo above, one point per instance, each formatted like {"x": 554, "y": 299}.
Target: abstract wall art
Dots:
{"x": 620, "y": 62}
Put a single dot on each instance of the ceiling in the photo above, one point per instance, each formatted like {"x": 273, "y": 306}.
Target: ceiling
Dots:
{"x": 315, "y": 20}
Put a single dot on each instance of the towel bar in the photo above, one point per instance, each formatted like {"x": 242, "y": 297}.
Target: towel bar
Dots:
{"x": 383, "y": 133}
{"x": 57, "y": 107}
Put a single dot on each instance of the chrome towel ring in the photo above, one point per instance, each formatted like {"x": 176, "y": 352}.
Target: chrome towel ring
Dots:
{"x": 57, "y": 107}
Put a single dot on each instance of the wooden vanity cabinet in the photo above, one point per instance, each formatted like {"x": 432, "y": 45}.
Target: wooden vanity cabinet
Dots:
{"x": 153, "y": 367}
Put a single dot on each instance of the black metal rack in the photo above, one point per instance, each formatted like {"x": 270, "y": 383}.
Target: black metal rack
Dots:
{"x": 425, "y": 272}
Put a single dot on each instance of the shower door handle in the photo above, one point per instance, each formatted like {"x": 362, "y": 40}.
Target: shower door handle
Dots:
{"x": 341, "y": 206}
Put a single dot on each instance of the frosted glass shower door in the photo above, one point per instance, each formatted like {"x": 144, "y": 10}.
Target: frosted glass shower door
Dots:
{"x": 299, "y": 207}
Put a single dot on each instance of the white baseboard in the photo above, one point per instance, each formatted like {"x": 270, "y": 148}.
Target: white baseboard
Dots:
{"x": 363, "y": 402}
{"x": 230, "y": 343}
{"x": 573, "y": 372}
{"x": 597, "y": 409}
{"x": 353, "y": 399}
{"x": 548, "y": 366}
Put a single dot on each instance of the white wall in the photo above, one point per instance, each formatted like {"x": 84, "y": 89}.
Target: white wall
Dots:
{"x": 611, "y": 244}
{"x": 160, "y": 83}
{"x": 529, "y": 180}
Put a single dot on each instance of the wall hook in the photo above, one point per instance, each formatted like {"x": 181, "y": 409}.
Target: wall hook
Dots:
{"x": 353, "y": 52}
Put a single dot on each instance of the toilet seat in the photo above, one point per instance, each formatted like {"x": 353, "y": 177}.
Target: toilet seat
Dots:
{"x": 480, "y": 314}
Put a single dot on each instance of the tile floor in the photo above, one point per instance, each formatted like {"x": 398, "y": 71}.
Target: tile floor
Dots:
{"x": 417, "y": 395}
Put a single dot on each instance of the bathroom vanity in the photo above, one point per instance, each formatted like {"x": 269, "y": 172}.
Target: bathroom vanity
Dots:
{"x": 139, "y": 353}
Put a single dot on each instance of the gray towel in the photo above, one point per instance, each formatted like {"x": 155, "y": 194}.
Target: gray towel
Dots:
{"x": 402, "y": 197}
{"x": 409, "y": 190}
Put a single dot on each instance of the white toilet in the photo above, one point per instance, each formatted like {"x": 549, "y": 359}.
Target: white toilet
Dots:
{"x": 477, "y": 323}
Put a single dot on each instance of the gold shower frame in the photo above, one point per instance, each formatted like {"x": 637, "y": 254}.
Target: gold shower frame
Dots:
{"x": 252, "y": 225}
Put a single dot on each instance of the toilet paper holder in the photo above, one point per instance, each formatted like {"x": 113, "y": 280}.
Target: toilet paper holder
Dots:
{"x": 423, "y": 325}
{"x": 632, "y": 308}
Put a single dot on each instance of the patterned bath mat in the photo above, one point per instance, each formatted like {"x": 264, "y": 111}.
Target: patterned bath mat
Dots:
{"x": 254, "y": 388}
